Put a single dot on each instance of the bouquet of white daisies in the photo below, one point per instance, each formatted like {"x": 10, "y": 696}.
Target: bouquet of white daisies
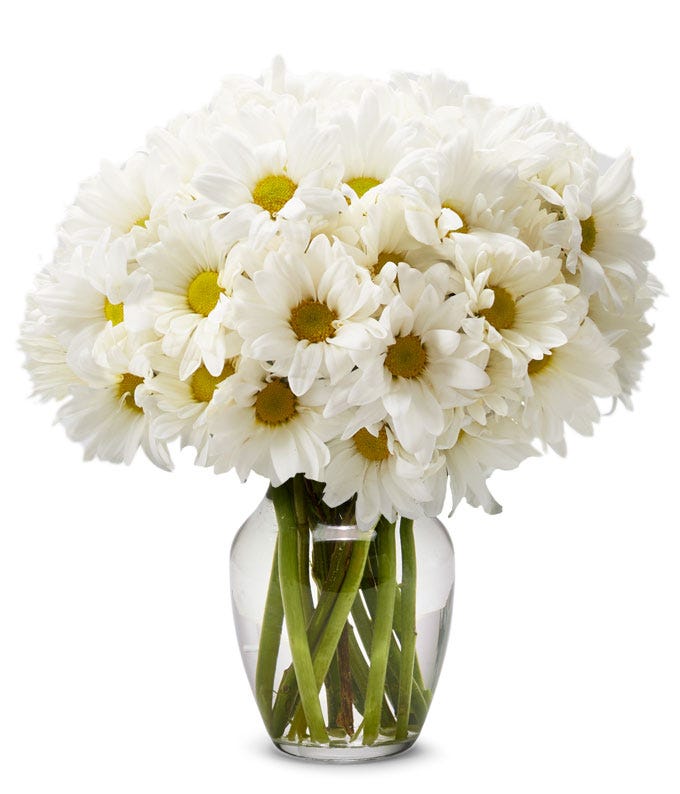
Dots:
{"x": 382, "y": 286}
{"x": 361, "y": 290}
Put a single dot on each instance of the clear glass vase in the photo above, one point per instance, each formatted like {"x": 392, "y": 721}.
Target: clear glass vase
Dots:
{"x": 342, "y": 631}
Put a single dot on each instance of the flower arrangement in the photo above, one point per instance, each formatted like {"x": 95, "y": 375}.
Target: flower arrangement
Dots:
{"x": 373, "y": 288}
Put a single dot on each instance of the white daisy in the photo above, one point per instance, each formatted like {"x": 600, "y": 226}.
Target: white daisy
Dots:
{"x": 561, "y": 386}
{"x": 308, "y": 313}
{"x": 599, "y": 228}
{"x": 502, "y": 397}
{"x": 423, "y": 94}
{"x": 179, "y": 408}
{"x": 107, "y": 416}
{"x": 421, "y": 367}
{"x": 259, "y": 425}
{"x": 374, "y": 145}
{"x": 183, "y": 145}
{"x": 521, "y": 138}
{"x": 628, "y": 332}
{"x": 191, "y": 290}
{"x": 45, "y": 355}
{"x": 280, "y": 164}
{"x": 462, "y": 191}
{"x": 477, "y": 452}
{"x": 562, "y": 168}
{"x": 238, "y": 91}
{"x": 518, "y": 301}
{"x": 88, "y": 301}
{"x": 386, "y": 480}
{"x": 130, "y": 201}
{"x": 380, "y": 236}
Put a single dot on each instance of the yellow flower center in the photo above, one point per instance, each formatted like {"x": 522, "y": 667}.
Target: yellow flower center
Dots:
{"x": 113, "y": 312}
{"x": 362, "y": 184}
{"x": 141, "y": 222}
{"x": 502, "y": 313}
{"x": 204, "y": 292}
{"x": 203, "y": 383}
{"x": 313, "y": 320}
{"x": 465, "y": 228}
{"x": 406, "y": 358}
{"x": 275, "y": 404}
{"x": 371, "y": 447}
{"x": 126, "y": 390}
{"x": 383, "y": 258}
{"x": 539, "y": 364}
{"x": 588, "y": 235}
{"x": 272, "y": 192}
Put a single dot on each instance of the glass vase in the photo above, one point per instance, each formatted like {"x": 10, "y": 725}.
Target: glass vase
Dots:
{"x": 342, "y": 630}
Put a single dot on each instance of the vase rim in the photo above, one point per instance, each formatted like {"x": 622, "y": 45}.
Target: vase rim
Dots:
{"x": 333, "y": 532}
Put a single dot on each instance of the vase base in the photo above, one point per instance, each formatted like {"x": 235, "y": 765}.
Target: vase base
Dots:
{"x": 343, "y": 753}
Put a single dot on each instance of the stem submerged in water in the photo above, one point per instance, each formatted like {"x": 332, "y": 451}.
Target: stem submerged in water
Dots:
{"x": 287, "y": 695}
{"x": 270, "y": 640}
{"x": 356, "y": 591}
{"x": 408, "y": 625}
{"x": 293, "y": 606}
{"x": 382, "y": 629}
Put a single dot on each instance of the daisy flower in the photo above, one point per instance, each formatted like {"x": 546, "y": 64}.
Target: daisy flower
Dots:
{"x": 191, "y": 291}
{"x": 561, "y": 386}
{"x": 386, "y": 479}
{"x": 279, "y": 164}
{"x": 130, "y": 201}
{"x": 599, "y": 226}
{"x": 183, "y": 146}
{"x": 374, "y": 144}
{"x": 628, "y": 332}
{"x": 462, "y": 192}
{"x": 518, "y": 301}
{"x": 423, "y": 94}
{"x": 422, "y": 366}
{"x": 477, "y": 453}
{"x": 45, "y": 355}
{"x": 88, "y": 301}
{"x": 239, "y": 91}
{"x": 521, "y": 138}
{"x": 502, "y": 397}
{"x": 247, "y": 256}
{"x": 107, "y": 416}
{"x": 260, "y": 425}
{"x": 381, "y": 237}
{"x": 179, "y": 408}
{"x": 308, "y": 313}
{"x": 330, "y": 92}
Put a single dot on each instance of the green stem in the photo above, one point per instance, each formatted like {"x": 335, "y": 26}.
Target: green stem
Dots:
{"x": 346, "y": 595}
{"x": 287, "y": 694}
{"x": 408, "y": 625}
{"x": 270, "y": 640}
{"x": 322, "y": 553}
{"x": 422, "y": 697}
{"x": 343, "y": 664}
{"x": 297, "y": 490}
{"x": 291, "y": 596}
{"x": 303, "y": 545}
{"x": 359, "y": 668}
{"x": 333, "y": 694}
{"x": 363, "y": 619}
{"x": 417, "y": 673}
{"x": 382, "y": 630}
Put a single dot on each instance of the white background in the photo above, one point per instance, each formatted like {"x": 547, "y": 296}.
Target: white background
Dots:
{"x": 119, "y": 670}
